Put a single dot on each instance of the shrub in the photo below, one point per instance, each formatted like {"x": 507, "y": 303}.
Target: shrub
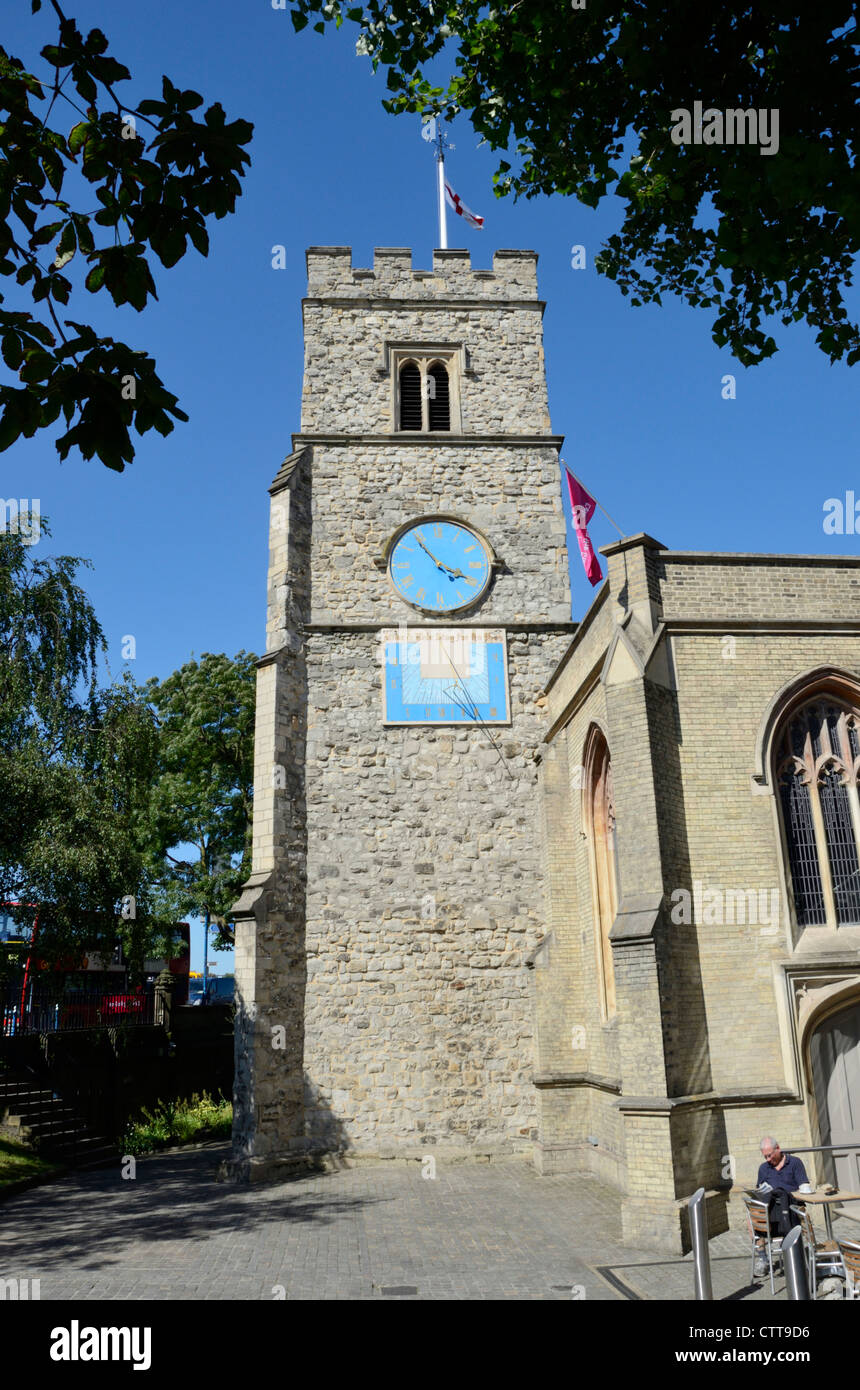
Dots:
{"x": 178, "y": 1122}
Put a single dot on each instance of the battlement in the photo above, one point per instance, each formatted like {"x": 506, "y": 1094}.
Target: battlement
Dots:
{"x": 331, "y": 273}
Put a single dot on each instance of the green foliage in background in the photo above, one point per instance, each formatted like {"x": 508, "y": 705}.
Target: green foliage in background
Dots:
{"x": 203, "y": 794}
{"x": 155, "y": 173}
{"x": 579, "y": 98}
{"x": 179, "y": 1122}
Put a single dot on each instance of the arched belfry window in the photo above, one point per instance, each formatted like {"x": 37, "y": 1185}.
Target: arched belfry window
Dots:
{"x": 427, "y": 388}
{"x": 438, "y": 405}
{"x": 410, "y": 396}
{"x": 816, "y": 766}
{"x": 600, "y": 828}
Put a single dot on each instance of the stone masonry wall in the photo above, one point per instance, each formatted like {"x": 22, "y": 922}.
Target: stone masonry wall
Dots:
{"x": 397, "y": 887}
{"x": 724, "y": 1013}
{"x": 362, "y": 493}
{"x": 351, "y": 315}
{"x": 423, "y": 904}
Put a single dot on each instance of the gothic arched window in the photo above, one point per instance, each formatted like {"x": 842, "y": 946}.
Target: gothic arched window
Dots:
{"x": 816, "y": 765}
{"x": 410, "y": 396}
{"x": 600, "y": 823}
{"x": 427, "y": 387}
{"x": 438, "y": 407}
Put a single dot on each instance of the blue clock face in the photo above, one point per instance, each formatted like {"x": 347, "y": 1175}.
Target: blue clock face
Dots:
{"x": 440, "y": 566}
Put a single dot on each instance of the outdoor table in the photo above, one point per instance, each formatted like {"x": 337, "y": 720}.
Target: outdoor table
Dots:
{"x": 826, "y": 1200}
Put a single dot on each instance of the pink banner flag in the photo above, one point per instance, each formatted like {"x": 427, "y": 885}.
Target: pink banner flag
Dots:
{"x": 582, "y": 506}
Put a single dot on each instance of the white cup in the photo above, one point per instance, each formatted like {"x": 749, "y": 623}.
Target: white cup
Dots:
{"x": 805, "y": 1187}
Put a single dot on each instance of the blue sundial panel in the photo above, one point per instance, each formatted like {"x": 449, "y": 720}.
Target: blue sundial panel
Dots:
{"x": 445, "y": 676}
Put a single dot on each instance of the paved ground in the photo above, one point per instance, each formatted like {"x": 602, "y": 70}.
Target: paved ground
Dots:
{"x": 475, "y": 1232}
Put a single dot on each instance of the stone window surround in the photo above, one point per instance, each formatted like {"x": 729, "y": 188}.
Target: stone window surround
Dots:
{"x": 805, "y": 994}
{"x": 822, "y": 682}
{"x": 598, "y": 818}
{"x": 454, "y": 356}
{"x": 835, "y": 756}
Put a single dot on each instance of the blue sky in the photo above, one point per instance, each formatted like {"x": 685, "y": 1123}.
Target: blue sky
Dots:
{"x": 178, "y": 541}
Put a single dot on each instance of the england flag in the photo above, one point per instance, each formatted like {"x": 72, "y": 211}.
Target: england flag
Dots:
{"x": 455, "y": 201}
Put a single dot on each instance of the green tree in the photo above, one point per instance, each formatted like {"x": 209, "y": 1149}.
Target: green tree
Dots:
{"x": 76, "y": 766}
{"x": 581, "y": 97}
{"x": 156, "y": 173}
{"x": 50, "y": 639}
{"x": 203, "y": 796}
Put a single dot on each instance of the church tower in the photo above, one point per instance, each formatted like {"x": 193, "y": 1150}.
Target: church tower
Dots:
{"x": 418, "y": 602}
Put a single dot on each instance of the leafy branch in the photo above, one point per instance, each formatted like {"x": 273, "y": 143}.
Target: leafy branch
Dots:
{"x": 153, "y": 198}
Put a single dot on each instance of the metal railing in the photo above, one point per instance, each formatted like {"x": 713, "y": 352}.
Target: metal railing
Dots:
{"x": 55, "y": 1125}
{"x": 796, "y": 1280}
{"x": 834, "y": 1151}
{"x": 699, "y": 1238}
{"x": 42, "y": 1012}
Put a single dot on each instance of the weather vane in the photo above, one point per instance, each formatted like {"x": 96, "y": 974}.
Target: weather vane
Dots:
{"x": 433, "y": 131}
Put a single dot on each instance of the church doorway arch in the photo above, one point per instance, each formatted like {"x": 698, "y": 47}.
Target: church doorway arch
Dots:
{"x": 834, "y": 1064}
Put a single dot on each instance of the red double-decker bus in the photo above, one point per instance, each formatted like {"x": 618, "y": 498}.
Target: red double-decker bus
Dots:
{"x": 92, "y": 989}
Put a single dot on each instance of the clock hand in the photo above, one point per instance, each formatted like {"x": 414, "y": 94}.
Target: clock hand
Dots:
{"x": 432, "y": 556}
{"x": 440, "y": 565}
{"x": 455, "y": 574}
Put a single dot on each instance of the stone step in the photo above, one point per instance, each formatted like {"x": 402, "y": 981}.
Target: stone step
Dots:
{"x": 85, "y": 1152}
{"x": 53, "y": 1126}
{"x": 30, "y": 1107}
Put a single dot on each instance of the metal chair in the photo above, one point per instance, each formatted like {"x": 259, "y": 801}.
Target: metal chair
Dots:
{"x": 821, "y": 1255}
{"x": 759, "y": 1226}
{"x": 850, "y": 1252}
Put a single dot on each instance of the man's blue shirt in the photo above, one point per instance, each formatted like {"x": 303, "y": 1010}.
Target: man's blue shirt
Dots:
{"x": 790, "y": 1175}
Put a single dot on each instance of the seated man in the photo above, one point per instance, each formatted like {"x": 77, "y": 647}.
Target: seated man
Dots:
{"x": 784, "y": 1173}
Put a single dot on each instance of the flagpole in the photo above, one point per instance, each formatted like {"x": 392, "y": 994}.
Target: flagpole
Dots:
{"x": 440, "y": 172}
{"x": 603, "y": 509}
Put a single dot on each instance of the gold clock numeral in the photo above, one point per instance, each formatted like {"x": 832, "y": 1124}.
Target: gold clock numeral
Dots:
{"x": 460, "y": 596}
{"x": 406, "y": 580}
{"x": 419, "y": 535}
{"x": 442, "y": 711}
{"x": 421, "y": 594}
{"x": 440, "y": 599}
{"x": 401, "y": 564}
{"x": 468, "y": 549}
{"x": 471, "y": 582}
{"x": 437, "y": 531}
{"x": 493, "y": 713}
{"x": 475, "y": 564}
{"x": 427, "y": 712}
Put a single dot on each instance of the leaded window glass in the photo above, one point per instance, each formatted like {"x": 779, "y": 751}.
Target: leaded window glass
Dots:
{"x": 817, "y": 768}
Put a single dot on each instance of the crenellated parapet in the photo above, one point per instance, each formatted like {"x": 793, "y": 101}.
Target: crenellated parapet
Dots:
{"x": 331, "y": 274}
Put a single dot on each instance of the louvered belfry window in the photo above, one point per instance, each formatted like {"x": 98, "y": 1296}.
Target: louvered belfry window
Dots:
{"x": 817, "y": 771}
{"x": 438, "y": 404}
{"x": 427, "y": 398}
{"x": 410, "y": 396}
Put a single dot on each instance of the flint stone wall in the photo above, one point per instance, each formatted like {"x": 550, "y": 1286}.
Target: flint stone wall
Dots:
{"x": 423, "y": 903}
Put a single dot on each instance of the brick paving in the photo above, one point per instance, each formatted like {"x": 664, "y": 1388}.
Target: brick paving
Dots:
{"x": 494, "y": 1231}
